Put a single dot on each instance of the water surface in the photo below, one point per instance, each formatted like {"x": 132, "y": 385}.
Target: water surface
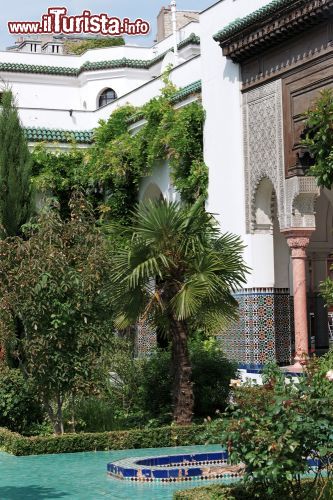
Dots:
{"x": 83, "y": 476}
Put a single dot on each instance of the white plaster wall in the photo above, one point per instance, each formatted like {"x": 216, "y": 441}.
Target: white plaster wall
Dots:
{"x": 181, "y": 76}
{"x": 88, "y": 119}
{"x": 184, "y": 33}
{"x": 260, "y": 258}
{"x": 120, "y": 80}
{"x": 224, "y": 137}
{"x": 45, "y": 100}
{"x": 45, "y": 92}
{"x": 282, "y": 262}
{"x": 63, "y": 93}
{"x": 58, "y": 119}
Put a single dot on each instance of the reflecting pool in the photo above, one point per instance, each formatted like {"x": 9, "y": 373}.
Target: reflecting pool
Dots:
{"x": 83, "y": 476}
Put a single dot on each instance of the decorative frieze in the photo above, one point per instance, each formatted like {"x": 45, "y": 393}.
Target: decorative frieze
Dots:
{"x": 264, "y": 159}
{"x": 263, "y": 146}
{"x": 268, "y": 26}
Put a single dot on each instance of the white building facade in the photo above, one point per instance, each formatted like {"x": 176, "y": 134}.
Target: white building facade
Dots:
{"x": 249, "y": 93}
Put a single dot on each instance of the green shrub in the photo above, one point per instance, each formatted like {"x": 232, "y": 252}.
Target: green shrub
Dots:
{"x": 145, "y": 393}
{"x": 92, "y": 414}
{"x": 116, "y": 440}
{"x": 211, "y": 374}
{"x": 19, "y": 408}
{"x": 274, "y": 429}
{"x": 216, "y": 491}
{"x": 242, "y": 491}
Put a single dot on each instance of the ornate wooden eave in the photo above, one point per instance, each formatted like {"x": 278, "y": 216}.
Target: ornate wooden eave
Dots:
{"x": 271, "y": 25}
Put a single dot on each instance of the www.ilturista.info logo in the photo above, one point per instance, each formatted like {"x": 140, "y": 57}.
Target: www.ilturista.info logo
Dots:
{"x": 56, "y": 21}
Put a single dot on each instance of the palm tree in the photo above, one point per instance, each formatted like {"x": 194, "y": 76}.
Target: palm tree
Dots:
{"x": 177, "y": 272}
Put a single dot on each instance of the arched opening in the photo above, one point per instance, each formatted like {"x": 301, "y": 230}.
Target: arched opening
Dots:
{"x": 105, "y": 97}
{"x": 319, "y": 263}
{"x": 264, "y": 206}
{"x": 266, "y": 223}
{"x": 270, "y": 271}
{"x": 152, "y": 192}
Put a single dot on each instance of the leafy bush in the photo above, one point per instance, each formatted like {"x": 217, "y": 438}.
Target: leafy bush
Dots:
{"x": 117, "y": 440}
{"x": 77, "y": 48}
{"x": 274, "y": 429}
{"x": 19, "y": 408}
{"x": 155, "y": 387}
{"x": 319, "y": 138}
{"x": 211, "y": 374}
{"x": 54, "y": 284}
{"x": 91, "y": 414}
{"x": 141, "y": 392}
{"x": 241, "y": 491}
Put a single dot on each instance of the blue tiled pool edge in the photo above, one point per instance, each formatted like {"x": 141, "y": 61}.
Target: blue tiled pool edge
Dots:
{"x": 176, "y": 468}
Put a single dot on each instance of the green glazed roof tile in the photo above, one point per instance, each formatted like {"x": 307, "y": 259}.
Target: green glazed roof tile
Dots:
{"x": 192, "y": 39}
{"x": 92, "y": 66}
{"x": 184, "y": 92}
{"x": 33, "y": 134}
{"x": 242, "y": 23}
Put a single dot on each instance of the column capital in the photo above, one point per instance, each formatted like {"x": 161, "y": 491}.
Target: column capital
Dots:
{"x": 298, "y": 240}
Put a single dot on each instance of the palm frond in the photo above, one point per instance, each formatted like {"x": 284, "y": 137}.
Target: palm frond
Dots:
{"x": 182, "y": 249}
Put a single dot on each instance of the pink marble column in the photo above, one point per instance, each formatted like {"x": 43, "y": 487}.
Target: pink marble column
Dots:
{"x": 298, "y": 241}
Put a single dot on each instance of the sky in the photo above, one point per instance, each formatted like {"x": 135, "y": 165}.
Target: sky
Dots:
{"x": 23, "y": 10}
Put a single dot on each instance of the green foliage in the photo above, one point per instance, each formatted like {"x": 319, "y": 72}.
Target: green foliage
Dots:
{"x": 92, "y": 413}
{"x": 19, "y": 407}
{"x": 78, "y": 48}
{"x": 54, "y": 308}
{"x": 111, "y": 171}
{"x": 194, "y": 269}
{"x": 155, "y": 387}
{"x": 123, "y": 159}
{"x": 274, "y": 428}
{"x": 57, "y": 174}
{"x": 326, "y": 290}
{"x": 241, "y": 491}
{"x": 139, "y": 393}
{"x": 118, "y": 440}
{"x": 15, "y": 167}
{"x": 211, "y": 374}
{"x": 112, "y": 165}
{"x": 181, "y": 247}
{"x": 188, "y": 170}
{"x": 319, "y": 138}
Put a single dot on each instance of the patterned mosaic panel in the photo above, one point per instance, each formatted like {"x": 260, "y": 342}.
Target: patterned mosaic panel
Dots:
{"x": 284, "y": 327}
{"x": 145, "y": 341}
{"x": 263, "y": 331}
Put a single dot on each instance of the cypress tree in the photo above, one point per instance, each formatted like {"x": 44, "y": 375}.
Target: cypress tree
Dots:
{"x": 15, "y": 169}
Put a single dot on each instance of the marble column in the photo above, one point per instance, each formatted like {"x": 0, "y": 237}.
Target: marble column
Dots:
{"x": 298, "y": 240}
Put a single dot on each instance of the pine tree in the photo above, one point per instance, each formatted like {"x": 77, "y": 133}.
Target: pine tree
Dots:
{"x": 15, "y": 168}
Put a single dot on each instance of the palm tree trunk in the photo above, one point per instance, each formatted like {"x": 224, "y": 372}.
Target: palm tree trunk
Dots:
{"x": 182, "y": 390}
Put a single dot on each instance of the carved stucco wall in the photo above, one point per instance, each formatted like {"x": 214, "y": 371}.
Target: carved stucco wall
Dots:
{"x": 264, "y": 158}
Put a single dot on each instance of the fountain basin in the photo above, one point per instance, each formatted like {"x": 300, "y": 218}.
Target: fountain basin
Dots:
{"x": 174, "y": 468}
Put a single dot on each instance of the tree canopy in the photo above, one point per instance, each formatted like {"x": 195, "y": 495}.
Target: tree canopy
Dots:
{"x": 54, "y": 314}
{"x": 177, "y": 272}
{"x": 15, "y": 169}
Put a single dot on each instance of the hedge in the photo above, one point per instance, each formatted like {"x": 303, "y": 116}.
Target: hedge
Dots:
{"x": 214, "y": 492}
{"x": 247, "y": 491}
{"x": 116, "y": 440}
